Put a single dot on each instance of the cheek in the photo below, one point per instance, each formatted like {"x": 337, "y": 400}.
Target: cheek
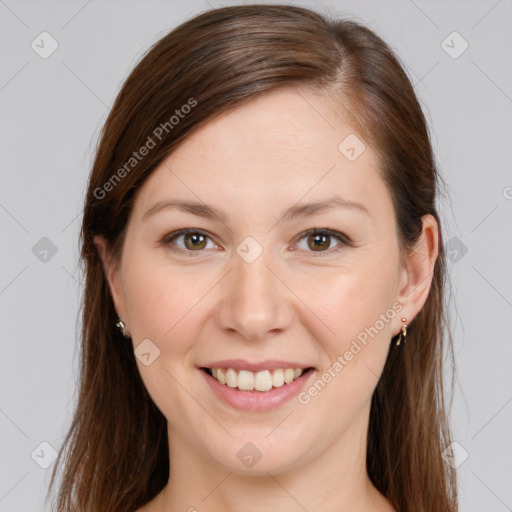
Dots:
{"x": 163, "y": 307}
{"x": 349, "y": 300}
{"x": 354, "y": 313}
{"x": 162, "y": 302}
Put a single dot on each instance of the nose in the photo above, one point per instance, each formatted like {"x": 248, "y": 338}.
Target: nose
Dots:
{"x": 255, "y": 303}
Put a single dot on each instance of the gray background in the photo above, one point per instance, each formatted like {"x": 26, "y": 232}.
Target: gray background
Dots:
{"x": 51, "y": 111}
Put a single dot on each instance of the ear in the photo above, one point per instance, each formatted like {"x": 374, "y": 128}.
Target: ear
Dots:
{"x": 418, "y": 271}
{"x": 112, "y": 274}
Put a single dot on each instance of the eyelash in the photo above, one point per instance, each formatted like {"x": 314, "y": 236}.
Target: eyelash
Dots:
{"x": 344, "y": 240}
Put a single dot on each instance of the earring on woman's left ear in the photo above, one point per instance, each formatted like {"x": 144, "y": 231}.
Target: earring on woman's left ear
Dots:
{"x": 403, "y": 332}
{"x": 121, "y": 326}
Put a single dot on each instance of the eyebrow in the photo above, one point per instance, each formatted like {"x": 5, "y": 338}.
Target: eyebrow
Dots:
{"x": 301, "y": 210}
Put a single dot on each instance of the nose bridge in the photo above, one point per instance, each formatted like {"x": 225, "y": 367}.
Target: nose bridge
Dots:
{"x": 254, "y": 281}
{"x": 255, "y": 302}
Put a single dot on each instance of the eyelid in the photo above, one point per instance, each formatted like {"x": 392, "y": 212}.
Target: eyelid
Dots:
{"x": 325, "y": 231}
{"x": 344, "y": 239}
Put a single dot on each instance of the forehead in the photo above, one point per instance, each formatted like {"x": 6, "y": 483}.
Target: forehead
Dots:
{"x": 284, "y": 145}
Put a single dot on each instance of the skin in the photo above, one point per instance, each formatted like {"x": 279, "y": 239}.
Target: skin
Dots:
{"x": 293, "y": 302}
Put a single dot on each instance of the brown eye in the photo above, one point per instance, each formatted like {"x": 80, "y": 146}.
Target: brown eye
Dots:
{"x": 187, "y": 241}
{"x": 319, "y": 241}
{"x": 195, "y": 241}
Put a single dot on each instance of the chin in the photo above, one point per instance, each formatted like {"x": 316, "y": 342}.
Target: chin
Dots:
{"x": 257, "y": 458}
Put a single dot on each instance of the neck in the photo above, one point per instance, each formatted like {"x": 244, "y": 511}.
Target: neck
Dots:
{"x": 333, "y": 480}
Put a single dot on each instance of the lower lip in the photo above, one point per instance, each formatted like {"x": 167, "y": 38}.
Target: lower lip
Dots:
{"x": 257, "y": 400}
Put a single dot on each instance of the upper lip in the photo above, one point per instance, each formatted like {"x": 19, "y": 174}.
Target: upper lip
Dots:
{"x": 242, "y": 364}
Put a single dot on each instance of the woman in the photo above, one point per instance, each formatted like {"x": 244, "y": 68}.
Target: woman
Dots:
{"x": 264, "y": 310}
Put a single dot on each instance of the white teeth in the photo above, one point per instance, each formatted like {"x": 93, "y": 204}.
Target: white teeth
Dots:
{"x": 263, "y": 381}
{"x": 231, "y": 378}
{"x": 245, "y": 380}
{"x": 259, "y": 381}
{"x": 289, "y": 373}
{"x": 278, "y": 378}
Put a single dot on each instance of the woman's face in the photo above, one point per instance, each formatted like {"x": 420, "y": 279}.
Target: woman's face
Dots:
{"x": 252, "y": 288}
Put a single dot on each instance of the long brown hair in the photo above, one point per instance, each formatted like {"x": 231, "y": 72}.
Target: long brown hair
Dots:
{"x": 115, "y": 454}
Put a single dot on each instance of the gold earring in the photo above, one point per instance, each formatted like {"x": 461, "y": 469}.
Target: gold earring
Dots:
{"x": 403, "y": 332}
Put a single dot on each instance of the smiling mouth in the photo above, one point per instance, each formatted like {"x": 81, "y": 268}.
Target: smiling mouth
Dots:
{"x": 262, "y": 381}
